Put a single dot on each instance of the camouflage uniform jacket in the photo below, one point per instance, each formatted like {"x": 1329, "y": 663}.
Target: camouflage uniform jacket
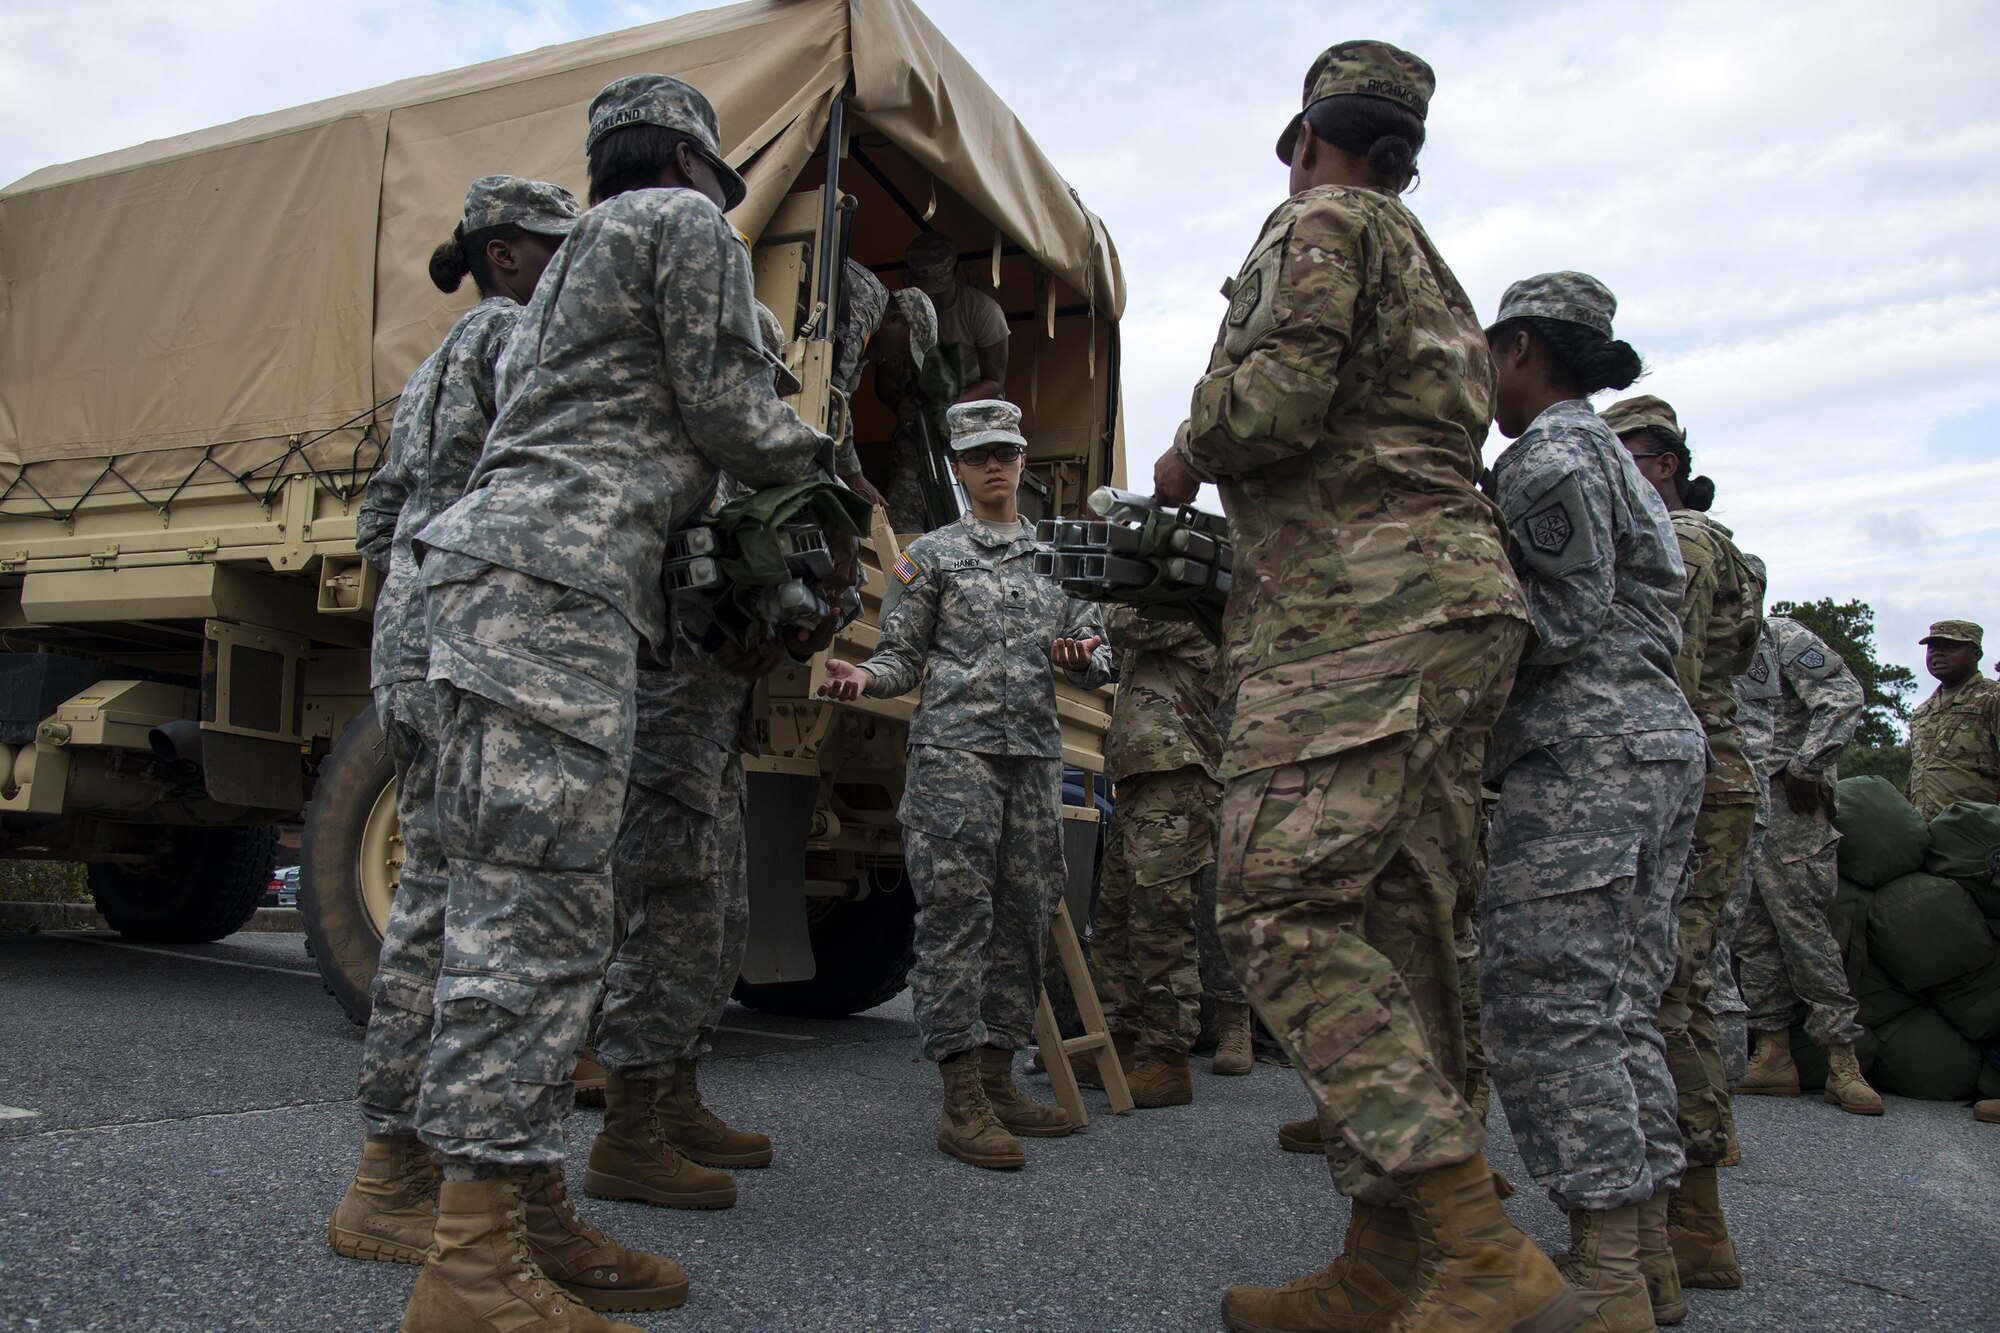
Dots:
{"x": 1719, "y": 634}
{"x": 1342, "y": 415}
{"x": 1603, "y": 575}
{"x": 1798, "y": 703}
{"x": 1168, "y": 691}
{"x": 973, "y": 627}
{"x": 1955, "y": 746}
{"x": 440, "y": 427}
{"x": 865, "y": 303}
{"x": 635, "y": 372}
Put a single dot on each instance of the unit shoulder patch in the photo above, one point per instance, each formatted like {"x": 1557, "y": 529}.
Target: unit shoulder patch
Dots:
{"x": 905, "y": 569}
{"x": 1550, "y": 530}
{"x": 1760, "y": 670}
{"x": 1248, "y": 293}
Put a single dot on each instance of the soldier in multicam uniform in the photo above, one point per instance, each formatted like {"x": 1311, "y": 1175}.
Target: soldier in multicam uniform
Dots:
{"x": 1161, "y": 753}
{"x": 509, "y": 232}
{"x": 1799, "y": 706}
{"x": 1372, "y": 635}
{"x": 1955, "y": 734}
{"x": 896, "y": 332}
{"x": 1721, "y": 615}
{"x": 634, "y": 374}
{"x": 1599, "y": 762}
{"x": 982, "y": 798}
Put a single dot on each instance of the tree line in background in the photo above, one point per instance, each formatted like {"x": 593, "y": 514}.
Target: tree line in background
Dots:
{"x": 1848, "y": 628}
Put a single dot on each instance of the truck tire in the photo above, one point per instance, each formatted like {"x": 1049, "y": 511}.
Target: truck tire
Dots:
{"x": 349, "y": 858}
{"x": 863, "y": 951}
{"x": 203, "y": 886}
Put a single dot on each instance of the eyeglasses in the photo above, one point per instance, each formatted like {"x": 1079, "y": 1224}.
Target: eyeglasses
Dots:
{"x": 999, "y": 453}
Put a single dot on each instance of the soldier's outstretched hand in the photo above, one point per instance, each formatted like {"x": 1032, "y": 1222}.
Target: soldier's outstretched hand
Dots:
{"x": 1073, "y": 654}
{"x": 844, "y": 681}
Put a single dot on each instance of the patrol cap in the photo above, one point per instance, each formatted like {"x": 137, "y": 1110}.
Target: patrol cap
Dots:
{"x": 1955, "y": 631}
{"x": 660, "y": 99}
{"x": 1629, "y": 415}
{"x": 931, "y": 256}
{"x": 984, "y": 421}
{"x": 1575, "y": 298}
{"x": 773, "y": 334}
{"x": 1363, "y": 69}
{"x": 536, "y": 206}
{"x": 921, "y": 316}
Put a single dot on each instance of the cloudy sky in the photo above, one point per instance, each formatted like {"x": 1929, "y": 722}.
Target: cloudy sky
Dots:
{"x": 1797, "y": 204}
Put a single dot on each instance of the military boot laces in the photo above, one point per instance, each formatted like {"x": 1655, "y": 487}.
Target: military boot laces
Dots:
{"x": 1602, "y": 1263}
{"x": 1481, "y": 1272}
{"x": 1359, "y": 1292}
{"x": 968, "y": 1129}
{"x": 1845, "y": 1086}
{"x": 587, "y": 1263}
{"x": 1017, "y": 1113}
{"x": 1233, "y": 1055}
{"x": 634, "y": 1157}
{"x": 698, "y": 1132}
{"x": 390, "y": 1208}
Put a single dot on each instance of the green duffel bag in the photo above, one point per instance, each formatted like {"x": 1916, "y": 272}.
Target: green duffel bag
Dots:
{"x": 1965, "y": 843}
{"x": 1972, "y": 1004}
{"x": 1881, "y": 835}
{"x": 1924, "y": 1056}
{"x": 1811, "y": 1058}
{"x": 1882, "y": 1001}
{"x": 1989, "y": 1078}
{"x": 1850, "y": 909}
{"x": 1924, "y": 931}
{"x": 1987, "y": 895}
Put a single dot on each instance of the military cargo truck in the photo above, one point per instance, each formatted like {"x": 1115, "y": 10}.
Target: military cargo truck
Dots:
{"x": 201, "y": 344}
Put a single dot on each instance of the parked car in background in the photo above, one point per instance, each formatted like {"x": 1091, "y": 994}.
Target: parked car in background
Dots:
{"x": 283, "y": 888}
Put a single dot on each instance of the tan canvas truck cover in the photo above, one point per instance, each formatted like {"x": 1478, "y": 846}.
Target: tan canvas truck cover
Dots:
{"x": 241, "y": 303}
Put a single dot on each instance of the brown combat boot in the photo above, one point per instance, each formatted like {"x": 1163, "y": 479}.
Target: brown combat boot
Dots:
{"x": 1987, "y": 1112}
{"x": 1084, "y": 1065}
{"x": 1845, "y": 1087}
{"x": 587, "y": 1079}
{"x": 700, "y": 1133}
{"x": 391, "y": 1204}
{"x": 1232, "y": 1043}
{"x": 1656, "y": 1262}
{"x": 1302, "y": 1136}
{"x": 1481, "y": 1271}
{"x": 1603, "y": 1265}
{"x": 1017, "y": 1112}
{"x": 1359, "y": 1292}
{"x": 968, "y": 1129}
{"x": 1771, "y": 1072}
{"x": 1699, "y": 1233}
{"x": 480, "y": 1277}
{"x": 590, "y": 1265}
{"x": 633, "y": 1159}
{"x": 1161, "y": 1079}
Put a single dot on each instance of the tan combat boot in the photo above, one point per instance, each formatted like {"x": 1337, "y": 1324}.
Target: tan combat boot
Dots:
{"x": 700, "y": 1133}
{"x": 1656, "y": 1262}
{"x": 1358, "y": 1292}
{"x": 480, "y": 1278}
{"x": 590, "y": 1265}
{"x": 1161, "y": 1079}
{"x": 1771, "y": 1073}
{"x": 1302, "y": 1136}
{"x": 968, "y": 1129}
{"x": 588, "y": 1078}
{"x": 391, "y": 1204}
{"x": 1603, "y": 1265}
{"x": 1699, "y": 1233}
{"x": 1987, "y": 1112}
{"x": 1017, "y": 1113}
{"x": 1084, "y": 1065}
{"x": 1481, "y": 1271}
{"x": 1845, "y": 1087}
{"x": 1232, "y": 1043}
{"x": 633, "y": 1159}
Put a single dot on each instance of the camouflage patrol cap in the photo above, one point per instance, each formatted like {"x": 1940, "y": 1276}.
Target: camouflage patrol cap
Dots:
{"x": 984, "y": 421}
{"x": 659, "y": 99}
{"x": 932, "y": 255}
{"x": 921, "y": 316}
{"x": 773, "y": 334}
{"x": 1363, "y": 69}
{"x": 1575, "y": 298}
{"x": 536, "y": 206}
{"x": 1629, "y": 415}
{"x": 1956, "y": 631}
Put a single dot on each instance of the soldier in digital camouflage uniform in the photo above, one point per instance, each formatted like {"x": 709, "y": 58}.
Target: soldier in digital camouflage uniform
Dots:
{"x": 1161, "y": 752}
{"x": 1599, "y": 762}
{"x": 634, "y": 374}
{"x": 1372, "y": 634}
{"x": 508, "y": 233}
{"x": 897, "y": 332}
{"x": 1800, "y": 705}
{"x": 978, "y": 629}
{"x": 1955, "y": 734}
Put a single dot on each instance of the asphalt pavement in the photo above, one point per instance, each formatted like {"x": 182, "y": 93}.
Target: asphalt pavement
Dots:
{"x": 175, "y": 1125}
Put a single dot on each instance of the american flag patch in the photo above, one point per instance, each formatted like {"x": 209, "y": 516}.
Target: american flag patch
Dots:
{"x": 906, "y": 569}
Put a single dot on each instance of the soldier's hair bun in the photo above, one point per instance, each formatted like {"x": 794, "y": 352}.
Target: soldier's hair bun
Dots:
{"x": 1586, "y": 359}
{"x": 1388, "y": 135}
{"x": 1698, "y": 493}
{"x": 465, "y": 253}
{"x": 448, "y": 266}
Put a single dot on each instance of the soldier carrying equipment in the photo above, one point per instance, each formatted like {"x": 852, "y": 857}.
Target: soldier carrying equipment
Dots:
{"x": 759, "y": 564}
{"x": 1171, "y": 563}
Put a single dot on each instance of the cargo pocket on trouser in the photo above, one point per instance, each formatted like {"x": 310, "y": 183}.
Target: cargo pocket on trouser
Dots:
{"x": 497, "y": 1083}
{"x": 1556, "y": 925}
{"x": 951, "y": 859}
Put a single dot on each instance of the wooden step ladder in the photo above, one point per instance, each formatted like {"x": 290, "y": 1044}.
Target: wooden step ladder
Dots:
{"x": 1056, "y": 1049}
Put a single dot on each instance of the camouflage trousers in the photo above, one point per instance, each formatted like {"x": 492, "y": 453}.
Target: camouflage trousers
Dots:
{"x": 1784, "y": 947}
{"x": 1694, "y": 1037}
{"x": 1576, "y": 926}
{"x": 535, "y": 689}
{"x": 982, "y": 841}
{"x": 1143, "y": 954}
{"x": 1219, "y": 981}
{"x": 399, "y": 1022}
{"x": 1341, "y": 871}
{"x": 684, "y": 915}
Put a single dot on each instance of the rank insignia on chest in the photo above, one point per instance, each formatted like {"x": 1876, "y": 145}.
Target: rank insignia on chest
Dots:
{"x": 1549, "y": 531}
{"x": 1812, "y": 659}
{"x": 1760, "y": 670}
{"x": 906, "y": 570}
